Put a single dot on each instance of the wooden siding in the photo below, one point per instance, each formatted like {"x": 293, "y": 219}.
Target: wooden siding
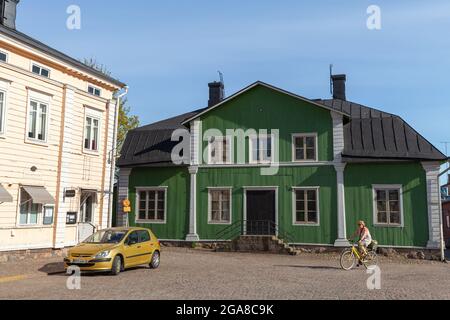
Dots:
{"x": 359, "y": 179}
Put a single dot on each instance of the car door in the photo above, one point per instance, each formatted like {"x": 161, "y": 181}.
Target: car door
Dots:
{"x": 132, "y": 249}
{"x": 146, "y": 249}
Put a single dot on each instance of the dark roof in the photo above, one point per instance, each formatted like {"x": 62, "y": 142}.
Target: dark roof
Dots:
{"x": 369, "y": 135}
{"x": 57, "y": 54}
{"x": 151, "y": 144}
{"x": 374, "y": 134}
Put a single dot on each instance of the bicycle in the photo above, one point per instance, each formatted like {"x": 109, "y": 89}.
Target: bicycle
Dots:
{"x": 351, "y": 256}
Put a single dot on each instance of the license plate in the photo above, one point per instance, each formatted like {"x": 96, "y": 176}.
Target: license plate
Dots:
{"x": 79, "y": 261}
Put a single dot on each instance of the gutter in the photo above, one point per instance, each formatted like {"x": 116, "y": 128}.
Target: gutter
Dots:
{"x": 113, "y": 156}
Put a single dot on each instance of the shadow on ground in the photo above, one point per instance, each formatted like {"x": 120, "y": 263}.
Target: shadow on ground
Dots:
{"x": 309, "y": 267}
{"x": 57, "y": 269}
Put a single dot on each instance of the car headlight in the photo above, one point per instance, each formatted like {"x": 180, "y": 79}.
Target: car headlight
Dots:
{"x": 102, "y": 254}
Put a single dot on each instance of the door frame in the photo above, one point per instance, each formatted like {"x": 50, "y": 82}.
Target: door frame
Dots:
{"x": 260, "y": 188}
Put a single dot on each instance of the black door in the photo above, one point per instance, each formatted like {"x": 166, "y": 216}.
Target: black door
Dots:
{"x": 261, "y": 212}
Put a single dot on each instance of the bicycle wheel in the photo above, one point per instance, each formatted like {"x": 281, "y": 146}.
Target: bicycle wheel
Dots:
{"x": 371, "y": 259}
{"x": 348, "y": 260}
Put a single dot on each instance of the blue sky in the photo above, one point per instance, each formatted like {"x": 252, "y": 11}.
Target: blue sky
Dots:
{"x": 167, "y": 51}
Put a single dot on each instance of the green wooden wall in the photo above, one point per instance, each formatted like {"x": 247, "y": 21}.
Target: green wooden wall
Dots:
{"x": 359, "y": 179}
{"x": 264, "y": 108}
{"x": 177, "y": 181}
{"x": 238, "y": 178}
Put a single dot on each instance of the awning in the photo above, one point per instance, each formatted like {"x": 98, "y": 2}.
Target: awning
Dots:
{"x": 4, "y": 195}
{"x": 85, "y": 193}
{"x": 39, "y": 195}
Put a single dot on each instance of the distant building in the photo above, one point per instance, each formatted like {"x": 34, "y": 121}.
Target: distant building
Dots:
{"x": 57, "y": 136}
{"x": 446, "y": 212}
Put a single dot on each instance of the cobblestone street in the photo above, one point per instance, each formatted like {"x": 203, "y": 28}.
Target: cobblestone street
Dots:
{"x": 189, "y": 274}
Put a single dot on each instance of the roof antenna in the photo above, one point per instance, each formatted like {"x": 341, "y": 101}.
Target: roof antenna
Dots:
{"x": 221, "y": 79}
{"x": 331, "y": 79}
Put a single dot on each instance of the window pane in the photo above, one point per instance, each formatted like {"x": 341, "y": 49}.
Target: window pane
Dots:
{"x": 394, "y": 206}
{"x": 151, "y": 195}
{"x": 45, "y": 73}
{"x": 32, "y": 120}
{"x": 48, "y": 215}
{"x": 393, "y": 195}
{"x": 3, "y": 57}
{"x": 310, "y": 154}
{"x": 215, "y": 205}
{"x": 300, "y": 216}
{"x": 312, "y": 195}
{"x": 160, "y": 215}
{"x": 36, "y": 69}
{"x": 312, "y": 206}
{"x": 310, "y": 142}
{"x": 300, "y": 154}
{"x": 43, "y": 122}
{"x": 395, "y": 217}
{"x": 95, "y": 137}
{"x": 300, "y": 194}
{"x": 312, "y": 216}
{"x": 2, "y": 97}
{"x": 381, "y": 205}
{"x": 142, "y": 215}
{"x": 381, "y": 195}
{"x": 299, "y": 142}
{"x": 382, "y": 217}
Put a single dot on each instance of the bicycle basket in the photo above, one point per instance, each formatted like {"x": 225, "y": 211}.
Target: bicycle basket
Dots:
{"x": 373, "y": 246}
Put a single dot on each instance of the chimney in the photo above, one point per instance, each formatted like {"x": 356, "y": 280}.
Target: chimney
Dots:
{"x": 8, "y": 13}
{"x": 216, "y": 93}
{"x": 339, "y": 86}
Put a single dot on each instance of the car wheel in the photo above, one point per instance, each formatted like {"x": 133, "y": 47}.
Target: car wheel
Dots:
{"x": 116, "y": 266}
{"x": 156, "y": 260}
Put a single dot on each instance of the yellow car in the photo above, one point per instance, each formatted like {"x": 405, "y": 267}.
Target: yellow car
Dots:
{"x": 115, "y": 250}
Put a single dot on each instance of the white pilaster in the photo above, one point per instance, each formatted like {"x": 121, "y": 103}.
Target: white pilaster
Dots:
{"x": 123, "y": 193}
{"x": 339, "y": 166}
{"x": 64, "y": 205}
{"x": 193, "y": 236}
{"x": 433, "y": 199}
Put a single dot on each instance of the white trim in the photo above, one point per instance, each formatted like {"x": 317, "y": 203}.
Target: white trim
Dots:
{"x": 4, "y": 113}
{"x": 305, "y": 135}
{"x": 259, "y": 188}
{"x": 39, "y": 98}
{"x": 295, "y": 223}
{"x": 229, "y": 151}
{"x": 94, "y": 115}
{"x": 397, "y": 187}
{"x": 6, "y": 54}
{"x": 261, "y": 137}
{"x": 145, "y": 221}
{"x": 42, "y": 67}
{"x": 260, "y": 83}
{"x": 259, "y": 165}
{"x": 90, "y": 85}
{"x": 24, "y": 247}
{"x": 210, "y": 221}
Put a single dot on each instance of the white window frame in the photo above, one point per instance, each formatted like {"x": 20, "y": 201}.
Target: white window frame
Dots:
{"x": 97, "y": 115}
{"x": 92, "y": 117}
{"x": 6, "y": 54}
{"x": 40, "y": 99}
{"x": 294, "y": 207}
{"x": 40, "y": 214}
{"x": 41, "y": 67}
{"x": 230, "y": 148}
{"x": 294, "y": 147}
{"x": 260, "y": 137}
{"x": 398, "y": 187}
{"x": 95, "y": 88}
{"x": 153, "y": 189}
{"x": 210, "y": 220}
{"x": 3, "y": 112}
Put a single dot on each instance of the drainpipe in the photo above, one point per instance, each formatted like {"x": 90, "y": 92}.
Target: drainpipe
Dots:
{"x": 441, "y": 222}
{"x": 113, "y": 156}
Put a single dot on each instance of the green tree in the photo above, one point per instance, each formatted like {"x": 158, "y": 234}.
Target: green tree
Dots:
{"x": 126, "y": 121}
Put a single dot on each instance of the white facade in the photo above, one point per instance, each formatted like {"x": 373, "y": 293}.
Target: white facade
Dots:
{"x": 55, "y": 137}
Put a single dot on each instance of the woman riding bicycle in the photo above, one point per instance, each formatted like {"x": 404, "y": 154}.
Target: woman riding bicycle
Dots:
{"x": 365, "y": 238}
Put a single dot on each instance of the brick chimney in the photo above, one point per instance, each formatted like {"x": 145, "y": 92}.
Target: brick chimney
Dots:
{"x": 216, "y": 93}
{"x": 339, "y": 86}
{"x": 8, "y": 10}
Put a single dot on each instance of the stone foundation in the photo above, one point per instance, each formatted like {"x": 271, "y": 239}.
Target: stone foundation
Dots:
{"x": 14, "y": 256}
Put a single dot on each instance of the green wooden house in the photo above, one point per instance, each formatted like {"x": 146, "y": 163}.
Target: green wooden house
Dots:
{"x": 265, "y": 161}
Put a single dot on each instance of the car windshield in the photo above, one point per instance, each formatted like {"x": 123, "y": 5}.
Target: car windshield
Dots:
{"x": 107, "y": 236}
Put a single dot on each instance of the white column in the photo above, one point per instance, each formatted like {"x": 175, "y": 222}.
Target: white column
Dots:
{"x": 433, "y": 199}
{"x": 123, "y": 193}
{"x": 341, "y": 241}
{"x": 339, "y": 166}
{"x": 193, "y": 236}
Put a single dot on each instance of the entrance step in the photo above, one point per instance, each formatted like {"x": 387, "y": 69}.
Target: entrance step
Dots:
{"x": 269, "y": 244}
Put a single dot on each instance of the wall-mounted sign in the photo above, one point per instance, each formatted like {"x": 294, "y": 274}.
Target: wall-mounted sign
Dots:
{"x": 126, "y": 206}
{"x": 70, "y": 193}
{"x": 71, "y": 218}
